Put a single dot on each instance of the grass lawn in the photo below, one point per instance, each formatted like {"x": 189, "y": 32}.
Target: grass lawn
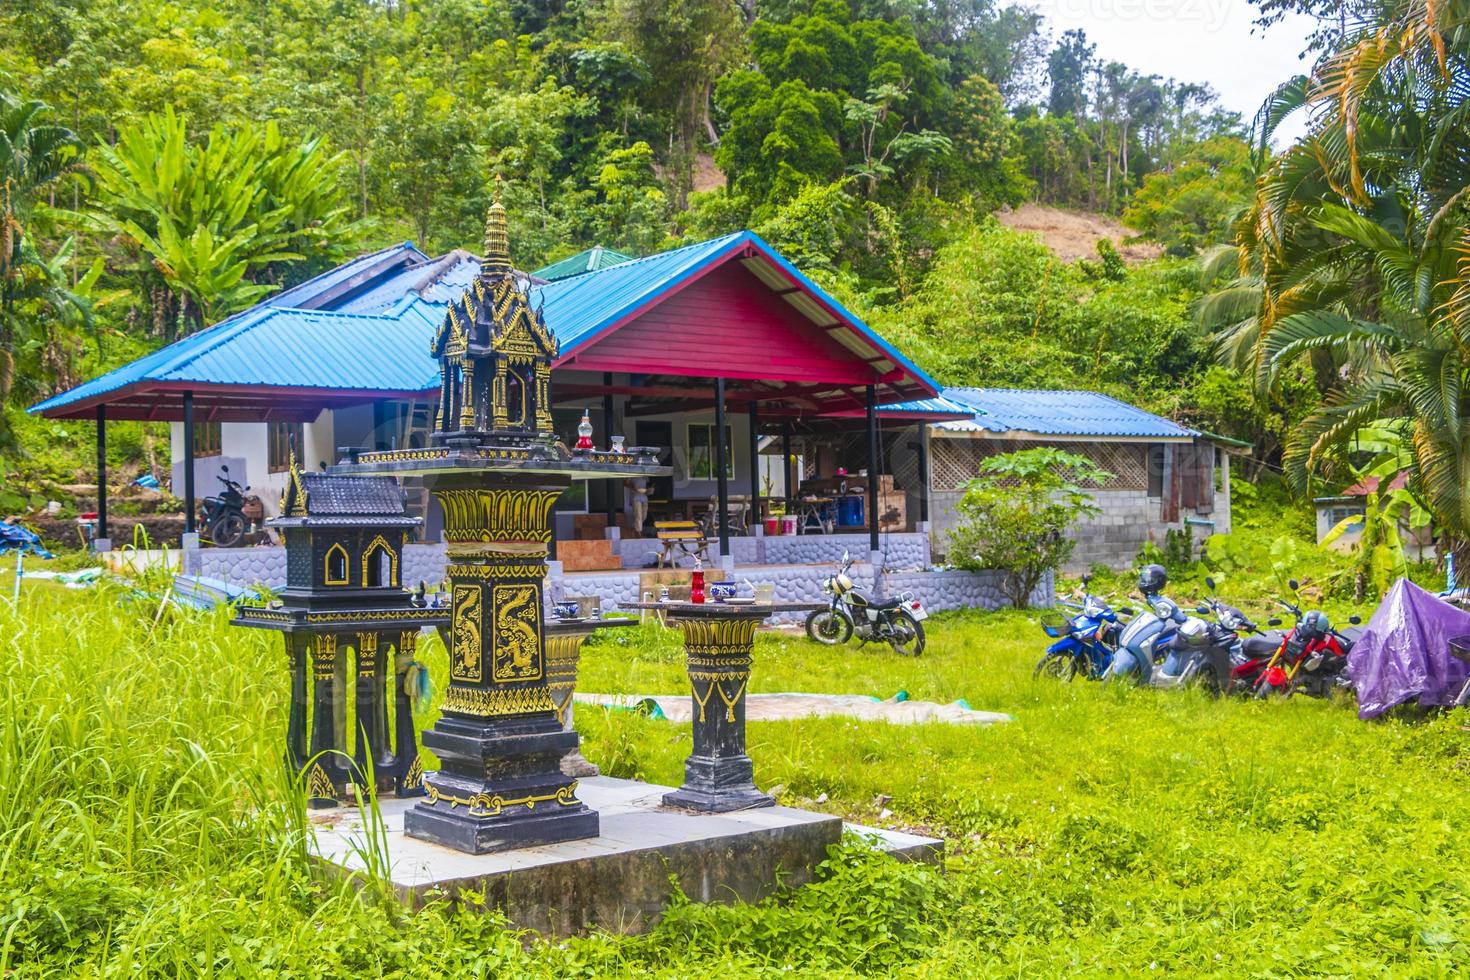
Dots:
{"x": 145, "y": 826}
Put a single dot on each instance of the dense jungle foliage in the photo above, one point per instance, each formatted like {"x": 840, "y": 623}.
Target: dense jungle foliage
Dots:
{"x": 167, "y": 165}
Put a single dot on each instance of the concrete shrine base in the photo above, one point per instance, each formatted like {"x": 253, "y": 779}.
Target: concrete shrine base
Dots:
{"x": 618, "y": 881}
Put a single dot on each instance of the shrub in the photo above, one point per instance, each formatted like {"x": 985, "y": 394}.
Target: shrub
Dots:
{"x": 1015, "y": 516}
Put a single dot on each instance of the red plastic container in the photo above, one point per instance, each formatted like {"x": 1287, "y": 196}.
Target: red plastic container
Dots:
{"x": 696, "y": 585}
{"x": 773, "y": 525}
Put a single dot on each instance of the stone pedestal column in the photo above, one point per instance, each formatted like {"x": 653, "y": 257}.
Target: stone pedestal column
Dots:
{"x": 563, "y": 653}
{"x": 718, "y": 644}
{"x": 499, "y": 741}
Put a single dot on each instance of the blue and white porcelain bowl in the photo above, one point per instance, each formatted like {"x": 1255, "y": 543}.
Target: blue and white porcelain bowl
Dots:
{"x": 720, "y": 591}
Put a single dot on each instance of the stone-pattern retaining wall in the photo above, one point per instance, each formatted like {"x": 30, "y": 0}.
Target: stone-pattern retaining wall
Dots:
{"x": 940, "y": 590}
{"x": 901, "y": 550}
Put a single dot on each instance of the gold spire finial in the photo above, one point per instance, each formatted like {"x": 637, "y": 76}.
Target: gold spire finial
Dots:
{"x": 497, "y": 237}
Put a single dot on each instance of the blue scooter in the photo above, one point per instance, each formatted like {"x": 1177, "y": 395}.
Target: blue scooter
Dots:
{"x": 1085, "y": 642}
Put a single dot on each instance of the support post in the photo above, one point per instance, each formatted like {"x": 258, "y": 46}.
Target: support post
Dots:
{"x": 755, "y": 464}
{"x": 722, "y": 496}
{"x": 923, "y": 472}
{"x": 786, "y": 475}
{"x": 873, "y": 469}
{"x": 189, "y": 505}
{"x": 614, "y": 487}
{"x": 102, "y": 473}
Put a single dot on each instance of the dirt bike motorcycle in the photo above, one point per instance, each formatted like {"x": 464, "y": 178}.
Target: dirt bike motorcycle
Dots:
{"x": 899, "y": 621}
{"x": 1312, "y": 656}
{"x": 223, "y": 515}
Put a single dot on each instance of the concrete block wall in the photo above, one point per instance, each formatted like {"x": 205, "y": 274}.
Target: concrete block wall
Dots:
{"x": 1129, "y": 518}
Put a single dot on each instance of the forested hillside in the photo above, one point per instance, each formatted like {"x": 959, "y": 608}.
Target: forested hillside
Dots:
{"x": 168, "y": 164}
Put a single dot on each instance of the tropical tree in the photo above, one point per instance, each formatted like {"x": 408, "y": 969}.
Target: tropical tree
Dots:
{"x": 34, "y": 154}
{"x": 214, "y": 226}
{"x": 1358, "y": 247}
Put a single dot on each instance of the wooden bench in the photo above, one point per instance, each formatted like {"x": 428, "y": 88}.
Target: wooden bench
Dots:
{"x": 680, "y": 539}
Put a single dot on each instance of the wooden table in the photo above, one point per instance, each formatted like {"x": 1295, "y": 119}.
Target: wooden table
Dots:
{"x": 719, "y": 642}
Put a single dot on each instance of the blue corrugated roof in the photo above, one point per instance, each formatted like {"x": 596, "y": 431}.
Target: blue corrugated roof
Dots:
{"x": 373, "y": 334}
{"x": 289, "y": 348}
{"x": 441, "y": 281}
{"x": 1057, "y": 413}
{"x": 927, "y": 406}
{"x": 302, "y": 296}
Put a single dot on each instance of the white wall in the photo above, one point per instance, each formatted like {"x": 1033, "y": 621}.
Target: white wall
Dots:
{"x": 244, "y": 448}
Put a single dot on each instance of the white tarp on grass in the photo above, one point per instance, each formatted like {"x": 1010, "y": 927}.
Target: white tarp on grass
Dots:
{"x": 786, "y": 707}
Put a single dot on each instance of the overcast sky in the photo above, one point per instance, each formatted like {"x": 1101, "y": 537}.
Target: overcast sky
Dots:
{"x": 1209, "y": 41}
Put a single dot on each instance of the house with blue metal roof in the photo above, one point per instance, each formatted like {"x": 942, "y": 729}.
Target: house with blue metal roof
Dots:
{"x": 721, "y": 336}
{"x": 1164, "y": 477}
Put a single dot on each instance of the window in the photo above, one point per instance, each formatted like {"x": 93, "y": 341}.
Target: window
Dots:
{"x": 1156, "y": 470}
{"x": 206, "y": 439}
{"x": 700, "y": 459}
{"x": 281, "y": 439}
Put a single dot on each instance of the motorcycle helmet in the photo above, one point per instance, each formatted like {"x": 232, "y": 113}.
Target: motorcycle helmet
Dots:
{"x": 1194, "y": 632}
{"x": 1315, "y": 623}
{"x": 1152, "y": 579}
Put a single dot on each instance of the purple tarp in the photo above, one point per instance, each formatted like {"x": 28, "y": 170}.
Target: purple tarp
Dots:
{"x": 1404, "y": 653}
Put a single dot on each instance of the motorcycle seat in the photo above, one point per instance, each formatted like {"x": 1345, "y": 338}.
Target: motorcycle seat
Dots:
{"x": 1260, "y": 646}
{"x": 885, "y": 605}
{"x": 1353, "y": 633}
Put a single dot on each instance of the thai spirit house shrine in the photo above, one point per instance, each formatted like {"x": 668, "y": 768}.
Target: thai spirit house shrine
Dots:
{"x": 496, "y": 469}
{"x": 351, "y": 633}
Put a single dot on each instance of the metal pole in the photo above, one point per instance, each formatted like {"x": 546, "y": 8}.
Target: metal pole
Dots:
{"x": 755, "y": 463}
{"x": 101, "y": 472}
{"x": 923, "y": 472}
{"x": 189, "y": 462}
{"x": 722, "y": 497}
{"x": 872, "y": 469}
{"x": 786, "y": 481}
{"x": 614, "y": 488}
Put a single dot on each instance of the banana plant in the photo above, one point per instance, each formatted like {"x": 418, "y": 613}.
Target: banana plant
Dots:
{"x": 218, "y": 220}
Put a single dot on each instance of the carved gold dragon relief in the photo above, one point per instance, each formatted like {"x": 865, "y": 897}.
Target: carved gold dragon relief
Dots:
{"x": 517, "y": 653}
{"x": 465, "y": 662}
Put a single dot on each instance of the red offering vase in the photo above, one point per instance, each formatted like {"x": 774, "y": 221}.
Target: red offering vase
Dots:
{"x": 696, "y": 585}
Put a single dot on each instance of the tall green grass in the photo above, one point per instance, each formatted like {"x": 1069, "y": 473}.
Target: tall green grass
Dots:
{"x": 146, "y": 827}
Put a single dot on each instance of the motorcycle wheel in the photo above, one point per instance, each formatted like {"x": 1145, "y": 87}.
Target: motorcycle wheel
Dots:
{"x": 828, "y": 627}
{"x": 1062, "y": 667}
{"x": 1209, "y": 682}
{"x": 228, "y": 531}
{"x": 907, "y": 635}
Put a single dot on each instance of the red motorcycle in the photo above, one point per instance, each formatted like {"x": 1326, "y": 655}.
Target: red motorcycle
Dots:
{"x": 1310, "y": 659}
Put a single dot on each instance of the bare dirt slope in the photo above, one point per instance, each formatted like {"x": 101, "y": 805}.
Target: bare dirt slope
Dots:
{"x": 1073, "y": 235}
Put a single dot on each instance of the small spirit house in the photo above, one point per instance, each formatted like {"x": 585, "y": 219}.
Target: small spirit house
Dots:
{"x": 351, "y": 634}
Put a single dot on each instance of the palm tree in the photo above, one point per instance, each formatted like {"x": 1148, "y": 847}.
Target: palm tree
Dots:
{"x": 33, "y": 154}
{"x": 1358, "y": 244}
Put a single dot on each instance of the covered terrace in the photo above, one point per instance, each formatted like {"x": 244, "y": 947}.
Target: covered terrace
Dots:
{"x": 722, "y": 352}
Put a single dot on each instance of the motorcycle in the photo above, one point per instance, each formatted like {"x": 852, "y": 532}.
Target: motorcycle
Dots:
{"x": 898, "y": 621}
{"x": 1311, "y": 658}
{"x": 223, "y": 516}
{"x": 1253, "y": 648}
{"x": 1163, "y": 653}
{"x": 1085, "y": 642}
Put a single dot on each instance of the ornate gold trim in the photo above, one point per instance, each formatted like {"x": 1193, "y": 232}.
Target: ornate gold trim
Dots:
{"x": 467, "y": 648}
{"x": 414, "y": 778}
{"x": 486, "y": 805}
{"x": 327, "y": 577}
{"x": 319, "y": 784}
{"x": 496, "y": 701}
{"x": 380, "y": 542}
